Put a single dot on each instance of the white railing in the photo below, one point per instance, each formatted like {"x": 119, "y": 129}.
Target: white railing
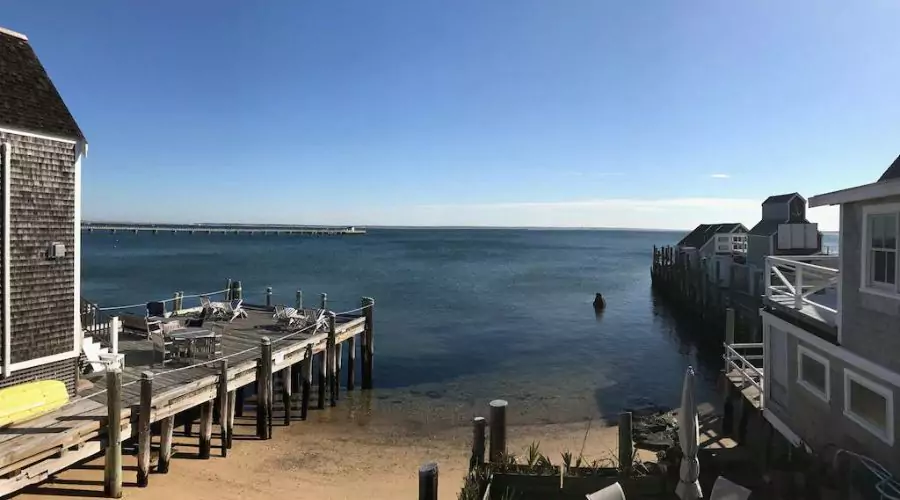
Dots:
{"x": 740, "y": 358}
{"x": 731, "y": 243}
{"x": 797, "y": 278}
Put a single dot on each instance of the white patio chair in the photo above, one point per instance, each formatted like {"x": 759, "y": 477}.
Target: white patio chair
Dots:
{"x": 233, "y": 310}
{"x": 286, "y": 317}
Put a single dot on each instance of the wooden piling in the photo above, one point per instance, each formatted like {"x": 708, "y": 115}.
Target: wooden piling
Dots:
{"x": 286, "y": 390}
{"x": 298, "y": 300}
{"x": 206, "y": 425}
{"x": 331, "y": 360}
{"x": 239, "y": 402}
{"x": 324, "y": 302}
{"x": 167, "y": 426}
{"x": 144, "y": 436}
{"x": 112, "y": 478}
{"x": 322, "y": 383}
{"x": 428, "y": 481}
{"x": 176, "y": 302}
{"x": 264, "y": 390}
{"x": 236, "y": 291}
{"x": 729, "y": 326}
{"x": 232, "y": 401}
{"x": 228, "y": 289}
{"x": 368, "y": 304}
{"x": 224, "y": 406}
{"x": 626, "y": 445}
{"x": 351, "y": 363}
{"x": 338, "y": 359}
{"x": 478, "y": 434}
{"x": 268, "y": 296}
{"x": 498, "y": 429}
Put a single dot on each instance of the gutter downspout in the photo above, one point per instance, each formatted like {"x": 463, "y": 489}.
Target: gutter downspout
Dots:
{"x": 7, "y": 323}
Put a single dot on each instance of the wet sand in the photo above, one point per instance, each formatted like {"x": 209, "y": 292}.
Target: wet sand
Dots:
{"x": 334, "y": 455}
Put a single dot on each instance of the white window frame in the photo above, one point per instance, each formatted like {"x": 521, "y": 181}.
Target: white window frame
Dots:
{"x": 886, "y": 434}
{"x": 803, "y": 351}
{"x": 887, "y": 290}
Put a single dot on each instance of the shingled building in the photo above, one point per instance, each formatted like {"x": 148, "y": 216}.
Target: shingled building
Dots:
{"x": 41, "y": 148}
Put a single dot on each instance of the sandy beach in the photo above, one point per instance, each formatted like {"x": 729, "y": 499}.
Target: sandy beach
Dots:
{"x": 326, "y": 458}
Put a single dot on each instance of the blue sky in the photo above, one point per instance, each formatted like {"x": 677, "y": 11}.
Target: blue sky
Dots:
{"x": 507, "y": 112}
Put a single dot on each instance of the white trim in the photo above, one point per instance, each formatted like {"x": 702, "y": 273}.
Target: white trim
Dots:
{"x": 804, "y": 351}
{"x": 877, "y": 371}
{"x": 886, "y": 434}
{"x": 31, "y": 363}
{"x": 80, "y": 151}
{"x": 37, "y": 135}
{"x": 864, "y": 286}
{"x": 13, "y": 33}
{"x": 7, "y": 321}
{"x": 840, "y": 285}
{"x": 859, "y": 193}
{"x": 783, "y": 428}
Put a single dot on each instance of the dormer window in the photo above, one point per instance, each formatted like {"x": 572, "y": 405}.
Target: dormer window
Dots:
{"x": 880, "y": 239}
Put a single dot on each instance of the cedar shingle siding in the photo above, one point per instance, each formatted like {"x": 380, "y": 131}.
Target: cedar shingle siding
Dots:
{"x": 42, "y": 202}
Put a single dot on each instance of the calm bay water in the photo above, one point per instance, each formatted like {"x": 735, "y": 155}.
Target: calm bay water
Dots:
{"x": 462, "y": 316}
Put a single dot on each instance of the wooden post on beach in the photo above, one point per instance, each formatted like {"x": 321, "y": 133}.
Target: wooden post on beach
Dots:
{"x": 206, "y": 425}
{"x": 498, "y": 430}
{"x": 224, "y": 412}
{"x": 368, "y": 353}
{"x": 626, "y": 446}
{"x": 232, "y": 401}
{"x": 264, "y": 389}
{"x": 165, "y": 444}
{"x": 478, "y": 434}
{"x": 239, "y": 402}
{"x": 228, "y": 289}
{"x": 286, "y": 390}
{"x": 268, "y": 296}
{"x": 729, "y": 326}
{"x": 306, "y": 372}
{"x": 324, "y": 301}
{"x": 143, "y": 459}
{"x": 351, "y": 363}
{"x": 112, "y": 477}
{"x": 298, "y": 300}
{"x": 338, "y": 359}
{"x": 331, "y": 361}
{"x": 428, "y": 481}
{"x": 322, "y": 380}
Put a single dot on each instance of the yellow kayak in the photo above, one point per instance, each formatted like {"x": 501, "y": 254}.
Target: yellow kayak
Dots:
{"x": 31, "y": 399}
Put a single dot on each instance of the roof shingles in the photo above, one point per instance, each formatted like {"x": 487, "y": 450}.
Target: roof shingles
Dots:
{"x": 28, "y": 99}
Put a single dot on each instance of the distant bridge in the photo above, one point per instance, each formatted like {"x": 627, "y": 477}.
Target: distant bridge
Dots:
{"x": 128, "y": 227}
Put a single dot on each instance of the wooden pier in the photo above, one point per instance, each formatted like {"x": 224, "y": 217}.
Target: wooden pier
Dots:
{"x": 124, "y": 227}
{"x": 141, "y": 397}
{"x": 690, "y": 289}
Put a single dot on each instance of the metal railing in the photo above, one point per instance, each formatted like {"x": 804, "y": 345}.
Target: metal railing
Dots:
{"x": 731, "y": 243}
{"x": 740, "y": 358}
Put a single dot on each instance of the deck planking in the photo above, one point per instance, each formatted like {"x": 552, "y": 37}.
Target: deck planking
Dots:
{"x": 175, "y": 388}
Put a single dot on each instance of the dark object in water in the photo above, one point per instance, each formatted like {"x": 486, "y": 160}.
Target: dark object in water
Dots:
{"x": 599, "y": 302}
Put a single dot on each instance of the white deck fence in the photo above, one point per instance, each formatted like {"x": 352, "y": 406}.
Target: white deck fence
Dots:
{"x": 746, "y": 359}
{"x": 800, "y": 282}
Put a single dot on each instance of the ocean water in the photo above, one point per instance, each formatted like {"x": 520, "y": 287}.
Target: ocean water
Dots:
{"x": 462, "y": 316}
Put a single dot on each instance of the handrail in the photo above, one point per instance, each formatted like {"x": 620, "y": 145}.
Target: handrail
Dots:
{"x": 824, "y": 277}
{"x": 731, "y": 356}
{"x": 797, "y": 262}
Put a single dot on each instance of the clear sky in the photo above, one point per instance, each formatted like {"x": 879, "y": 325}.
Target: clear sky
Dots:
{"x": 503, "y": 112}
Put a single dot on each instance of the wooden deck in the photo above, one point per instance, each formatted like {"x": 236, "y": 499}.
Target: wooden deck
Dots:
{"x": 33, "y": 450}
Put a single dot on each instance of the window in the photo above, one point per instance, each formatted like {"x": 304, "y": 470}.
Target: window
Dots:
{"x": 813, "y": 373}
{"x": 881, "y": 251}
{"x": 870, "y": 405}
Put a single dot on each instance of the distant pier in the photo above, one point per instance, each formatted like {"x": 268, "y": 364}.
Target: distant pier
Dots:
{"x": 128, "y": 227}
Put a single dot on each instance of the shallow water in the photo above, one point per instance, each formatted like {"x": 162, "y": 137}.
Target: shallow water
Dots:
{"x": 462, "y": 316}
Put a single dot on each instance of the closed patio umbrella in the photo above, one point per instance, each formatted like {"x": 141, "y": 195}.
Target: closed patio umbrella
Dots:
{"x": 689, "y": 435}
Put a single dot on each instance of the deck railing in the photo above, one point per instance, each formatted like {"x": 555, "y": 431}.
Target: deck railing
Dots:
{"x": 797, "y": 278}
{"x": 741, "y": 357}
{"x": 731, "y": 243}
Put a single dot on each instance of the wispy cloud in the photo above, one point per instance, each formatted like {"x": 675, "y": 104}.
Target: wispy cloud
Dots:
{"x": 720, "y": 176}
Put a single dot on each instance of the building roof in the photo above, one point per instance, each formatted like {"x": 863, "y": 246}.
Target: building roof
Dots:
{"x": 892, "y": 172}
{"x": 769, "y": 227}
{"x": 28, "y": 99}
{"x": 704, "y": 232}
{"x": 780, "y": 198}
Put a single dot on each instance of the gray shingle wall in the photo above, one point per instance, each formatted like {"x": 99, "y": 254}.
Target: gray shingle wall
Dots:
{"x": 64, "y": 371}
{"x": 42, "y": 206}
{"x": 871, "y": 324}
